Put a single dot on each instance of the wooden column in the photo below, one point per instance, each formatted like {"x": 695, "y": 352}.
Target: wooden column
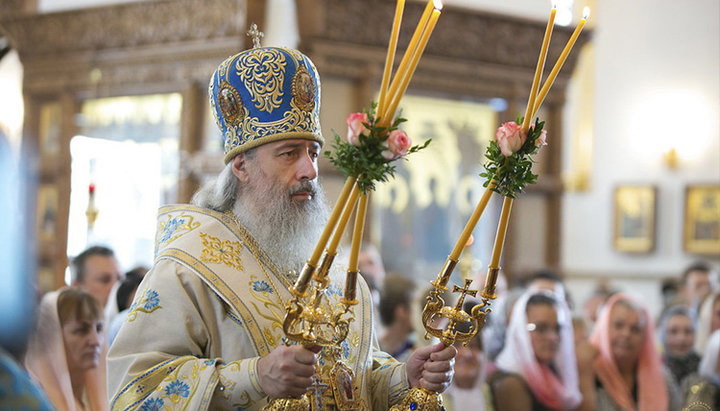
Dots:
{"x": 191, "y": 138}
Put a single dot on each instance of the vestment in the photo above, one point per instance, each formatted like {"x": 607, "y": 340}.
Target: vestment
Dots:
{"x": 211, "y": 306}
{"x": 17, "y": 389}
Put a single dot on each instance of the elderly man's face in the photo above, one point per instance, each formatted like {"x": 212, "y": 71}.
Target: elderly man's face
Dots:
{"x": 287, "y": 162}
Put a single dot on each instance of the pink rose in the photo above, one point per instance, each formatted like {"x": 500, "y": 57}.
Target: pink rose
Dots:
{"x": 542, "y": 140}
{"x": 355, "y": 127}
{"x": 510, "y": 138}
{"x": 398, "y": 143}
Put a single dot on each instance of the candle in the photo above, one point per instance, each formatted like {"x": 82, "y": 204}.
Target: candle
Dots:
{"x": 390, "y": 54}
{"x": 501, "y": 231}
{"x": 410, "y": 51}
{"x": 561, "y": 60}
{"x": 332, "y": 248}
{"x": 330, "y": 226}
{"x": 357, "y": 233}
{"x": 472, "y": 222}
{"x": 390, "y": 112}
{"x": 538, "y": 70}
{"x": 350, "y": 287}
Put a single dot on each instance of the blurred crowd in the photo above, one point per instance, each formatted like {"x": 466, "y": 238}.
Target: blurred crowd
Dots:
{"x": 541, "y": 348}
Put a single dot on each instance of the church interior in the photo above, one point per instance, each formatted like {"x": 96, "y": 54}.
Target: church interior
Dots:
{"x": 104, "y": 110}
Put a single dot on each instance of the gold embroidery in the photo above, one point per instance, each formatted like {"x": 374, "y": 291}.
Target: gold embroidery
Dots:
{"x": 221, "y": 251}
{"x": 147, "y": 303}
{"x": 263, "y": 72}
{"x": 293, "y": 120}
{"x": 262, "y": 291}
{"x": 231, "y": 139}
{"x": 213, "y": 109}
{"x": 244, "y": 400}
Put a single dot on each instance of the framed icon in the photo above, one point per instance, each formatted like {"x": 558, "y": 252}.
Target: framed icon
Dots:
{"x": 702, "y": 219}
{"x": 634, "y": 220}
{"x": 47, "y": 210}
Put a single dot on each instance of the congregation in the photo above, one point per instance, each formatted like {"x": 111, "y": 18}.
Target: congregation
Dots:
{"x": 542, "y": 349}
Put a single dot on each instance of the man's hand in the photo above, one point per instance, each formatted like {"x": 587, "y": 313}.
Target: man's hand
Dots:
{"x": 431, "y": 367}
{"x": 286, "y": 371}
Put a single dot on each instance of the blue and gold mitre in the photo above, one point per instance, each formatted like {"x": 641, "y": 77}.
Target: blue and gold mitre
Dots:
{"x": 265, "y": 94}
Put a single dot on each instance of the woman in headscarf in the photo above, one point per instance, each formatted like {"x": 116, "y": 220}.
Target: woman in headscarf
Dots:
{"x": 677, "y": 335}
{"x": 537, "y": 368}
{"x": 708, "y": 320}
{"x": 66, "y": 354}
{"x": 629, "y": 370}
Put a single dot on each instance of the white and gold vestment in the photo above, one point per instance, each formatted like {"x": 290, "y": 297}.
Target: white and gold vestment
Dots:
{"x": 211, "y": 306}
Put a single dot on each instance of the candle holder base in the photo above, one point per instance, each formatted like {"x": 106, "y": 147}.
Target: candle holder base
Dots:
{"x": 420, "y": 399}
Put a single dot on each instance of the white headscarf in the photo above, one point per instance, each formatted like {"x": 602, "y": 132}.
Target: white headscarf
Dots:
{"x": 518, "y": 356}
{"x": 704, "y": 322}
{"x": 708, "y": 365}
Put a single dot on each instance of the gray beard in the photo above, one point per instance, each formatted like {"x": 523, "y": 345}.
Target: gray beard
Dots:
{"x": 286, "y": 230}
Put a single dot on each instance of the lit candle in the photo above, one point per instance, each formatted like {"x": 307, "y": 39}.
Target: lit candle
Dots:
{"x": 357, "y": 233}
{"x": 390, "y": 54}
{"x": 410, "y": 51}
{"x": 472, "y": 222}
{"x": 330, "y": 226}
{"x": 395, "y": 98}
{"x": 561, "y": 60}
{"x": 538, "y": 70}
{"x": 332, "y": 248}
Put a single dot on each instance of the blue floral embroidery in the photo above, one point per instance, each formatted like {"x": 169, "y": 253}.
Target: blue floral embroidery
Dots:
{"x": 151, "y": 299}
{"x": 209, "y": 362}
{"x": 149, "y": 302}
{"x": 177, "y": 388}
{"x": 170, "y": 228}
{"x": 345, "y": 349}
{"x": 262, "y": 287}
{"x": 153, "y": 404}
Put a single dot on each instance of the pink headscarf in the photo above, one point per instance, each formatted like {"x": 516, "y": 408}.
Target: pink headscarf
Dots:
{"x": 652, "y": 391}
{"x": 558, "y": 393}
{"x": 45, "y": 361}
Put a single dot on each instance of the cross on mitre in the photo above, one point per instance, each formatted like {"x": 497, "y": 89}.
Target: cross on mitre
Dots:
{"x": 256, "y": 35}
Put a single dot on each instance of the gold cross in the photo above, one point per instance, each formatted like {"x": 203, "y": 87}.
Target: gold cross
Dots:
{"x": 256, "y": 35}
{"x": 465, "y": 291}
{"x": 318, "y": 389}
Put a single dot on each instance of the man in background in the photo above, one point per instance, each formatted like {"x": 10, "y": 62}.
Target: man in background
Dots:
{"x": 96, "y": 271}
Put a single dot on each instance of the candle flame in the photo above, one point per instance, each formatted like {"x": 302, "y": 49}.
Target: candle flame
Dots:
{"x": 586, "y": 13}
{"x": 437, "y": 4}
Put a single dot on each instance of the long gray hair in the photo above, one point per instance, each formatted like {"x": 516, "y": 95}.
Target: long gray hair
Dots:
{"x": 219, "y": 194}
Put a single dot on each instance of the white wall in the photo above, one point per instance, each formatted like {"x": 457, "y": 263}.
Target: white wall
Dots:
{"x": 657, "y": 83}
